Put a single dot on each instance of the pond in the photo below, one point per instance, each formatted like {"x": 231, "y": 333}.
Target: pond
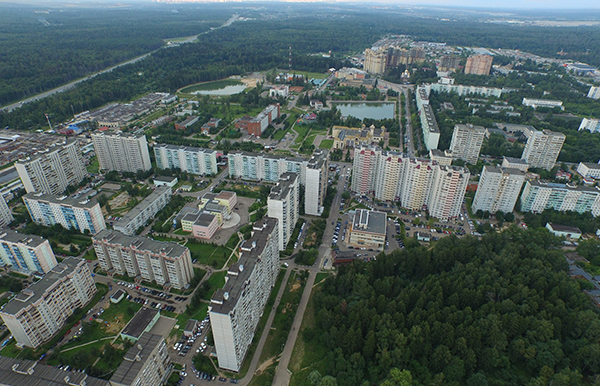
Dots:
{"x": 227, "y": 90}
{"x": 362, "y": 110}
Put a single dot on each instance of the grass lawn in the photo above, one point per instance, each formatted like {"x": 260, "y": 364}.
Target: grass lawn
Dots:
{"x": 265, "y": 378}
{"x": 208, "y": 254}
{"x": 279, "y": 134}
{"x": 200, "y": 314}
{"x": 308, "y": 353}
{"x": 90, "y": 255}
{"x": 181, "y": 232}
{"x": 94, "y": 166}
{"x": 208, "y": 86}
{"x": 216, "y": 281}
{"x": 233, "y": 241}
{"x": 310, "y": 75}
{"x": 326, "y": 144}
{"x": 301, "y": 130}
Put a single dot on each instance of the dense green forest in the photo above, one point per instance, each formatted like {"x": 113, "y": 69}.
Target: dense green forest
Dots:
{"x": 497, "y": 311}
{"x": 43, "y": 48}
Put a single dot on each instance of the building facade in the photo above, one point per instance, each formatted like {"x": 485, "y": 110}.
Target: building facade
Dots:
{"x": 147, "y": 363}
{"x": 539, "y": 196}
{"x": 6, "y": 216}
{"x": 52, "y": 171}
{"x": 315, "y": 187}
{"x": 283, "y": 204}
{"x": 498, "y": 189}
{"x": 41, "y": 310}
{"x": 515, "y": 163}
{"x": 257, "y": 125}
{"x": 590, "y": 124}
{"x": 594, "y": 92}
{"x": 168, "y": 264}
{"x": 479, "y": 64}
{"x": 548, "y": 103}
{"x": 429, "y": 126}
{"x": 192, "y": 160}
{"x": 589, "y": 170}
{"x": 26, "y": 253}
{"x": 375, "y": 61}
{"x": 466, "y": 142}
{"x": 123, "y": 152}
{"x": 48, "y": 210}
{"x": 144, "y": 211}
{"x": 235, "y": 310}
{"x": 542, "y": 149}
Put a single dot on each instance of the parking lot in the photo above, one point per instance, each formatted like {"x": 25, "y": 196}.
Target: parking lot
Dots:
{"x": 153, "y": 298}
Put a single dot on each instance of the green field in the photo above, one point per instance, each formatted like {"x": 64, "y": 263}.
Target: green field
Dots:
{"x": 216, "y": 281}
{"x": 301, "y": 130}
{"x": 208, "y": 254}
{"x": 326, "y": 144}
{"x": 209, "y": 86}
{"x": 94, "y": 166}
{"x": 310, "y": 75}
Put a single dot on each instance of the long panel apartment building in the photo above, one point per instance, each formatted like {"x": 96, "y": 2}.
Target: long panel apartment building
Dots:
{"x": 51, "y": 171}
{"x": 6, "y": 216}
{"x": 168, "y": 264}
{"x": 262, "y": 167}
{"x": 123, "y": 152}
{"x": 466, "y": 142}
{"x": 236, "y": 308}
{"x": 538, "y": 196}
{"x": 41, "y": 310}
{"x": 429, "y": 126}
{"x": 416, "y": 183}
{"x": 26, "y": 253}
{"x": 79, "y": 214}
{"x": 144, "y": 211}
{"x": 188, "y": 159}
{"x": 283, "y": 204}
{"x": 542, "y": 148}
{"x": 498, "y": 189}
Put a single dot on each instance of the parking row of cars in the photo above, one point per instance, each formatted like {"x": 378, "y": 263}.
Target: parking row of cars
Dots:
{"x": 336, "y": 233}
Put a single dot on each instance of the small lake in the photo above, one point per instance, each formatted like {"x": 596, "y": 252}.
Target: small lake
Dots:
{"x": 227, "y": 90}
{"x": 362, "y": 110}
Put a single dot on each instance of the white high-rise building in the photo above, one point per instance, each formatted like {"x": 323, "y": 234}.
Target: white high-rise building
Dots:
{"x": 168, "y": 264}
{"x": 466, "y": 142}
{"x": 50, "y": 172}
{"x": 48, "y": 210}
{"x": 315, "y": 187}
{"x": 415, "y": 185}
{"x": 363, "y": 169}
{"x": 593, "y": 125}
{"x": 283, "y": 204}
{"x": 498, "y": 189}
{"x": 594, "y": 92}
{"x": 389, "y": 175}
{"x": 123, "y": 152}
{"x": 147, "y": 363}
{"x": 26, "y": 253}
{"x": 41, "y": 310}
{"x": 6, "y": 216}
{"x": 448, "y": 189}
{"x": 539, "y": 196}
{"x": 192, "y": 160}
{"x": 542, "y": 149}
{"x": 236, "y": 308}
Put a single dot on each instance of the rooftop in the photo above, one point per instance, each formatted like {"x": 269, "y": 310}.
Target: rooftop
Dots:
{"x": 225, "y": 299}
{"x": 513, "y": 160}
{"x": 135, "y": 358}
{"x": 20, "y": 372}
{"x": 225, "y": 195}
{"x": 11, "y": 236}
{"x": 564, "y": 228}
{"x": 139, "y": 322}
{"x": 62, "y": 200}
{"x": 183, "y": 148}
{"x": 142, "y": 206}
{"x": 369, "y": 221}
{"x": 165, "y": 179}
{"x": 168, "y": 249}
{"x": 282, "y": 189}
{"x": 37, "y": 290}
{"x": 498, "y": 169}
{"x": 204, "y": 219}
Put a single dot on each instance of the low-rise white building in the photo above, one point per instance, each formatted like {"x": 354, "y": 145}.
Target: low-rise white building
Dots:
{"x": 590, "y": 124}
{"x": 549, "y": 103}
{"x": 589, "y": 170}
{"x": 144, "y": 211}
{"x": 564, "y": 231}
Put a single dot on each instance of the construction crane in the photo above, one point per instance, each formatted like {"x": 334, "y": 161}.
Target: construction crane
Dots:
{"x": 49, "y": 124}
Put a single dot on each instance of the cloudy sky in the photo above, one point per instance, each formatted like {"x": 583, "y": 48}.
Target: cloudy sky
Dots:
{"x": 543, "y": 4}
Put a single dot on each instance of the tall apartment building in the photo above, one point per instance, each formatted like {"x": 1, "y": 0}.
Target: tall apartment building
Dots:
{"x": 257, "y": 125}
{"x": 6, "y": 216}
{"x": 315, "y": 187}
{"x": 41, "y": 310}
{"x": 416, "y": 183}
{"x": 449, "y": 63}
{"x": 498, "y": 189}
{"x": 283, "y": 204}
{"x": 236, "y": 308}
{"x": 26, "y": 253}
{"x": 192, "y": 160}
{"x": 168, "y": 264}
{"x": 147, "y": 363}
{"x": 462, "y": 89}
{"x": 262, "y": 167}
{"x": 144, "y": 211}
{"x": 590, "y": 124}
{"x": 594, "y": 92}
{"x": 23, "y": 372}
{"x": 48, "y": 210}
{"x": 542, "y": 149}
{"x": 448, "y": 189}
{"x": 539, "y": 196}
{"x": 50, "y": 172}
{"x": 123, "y": 152}
{"x": 466, "y": 142}
{"x": 375, "y": 61}
{"x": 479, "y": 64}
{"x": 429, "y": 126}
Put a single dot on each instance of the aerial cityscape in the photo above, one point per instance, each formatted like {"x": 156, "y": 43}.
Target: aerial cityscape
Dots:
{"x": 299, "y": 193}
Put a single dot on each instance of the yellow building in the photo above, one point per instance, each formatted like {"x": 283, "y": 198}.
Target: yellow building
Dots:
{"x": 227, "y": 199}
